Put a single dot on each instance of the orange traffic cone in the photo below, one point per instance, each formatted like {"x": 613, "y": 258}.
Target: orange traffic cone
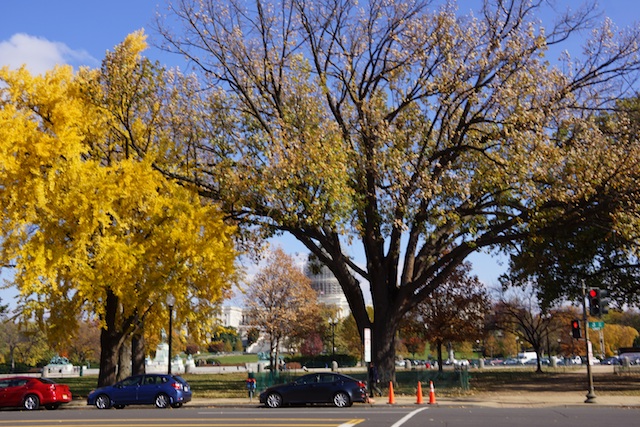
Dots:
{"x": 392, "y": 399}
{"x": 432, "y": 393}
{"x": 419, "y": 394}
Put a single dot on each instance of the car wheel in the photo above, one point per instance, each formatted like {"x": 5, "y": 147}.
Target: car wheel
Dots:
{"x": 162, "y": 401}
{"x": 274, "y": 400}
{"x": 31, "y": 402}
{"x": 341, "y": 399}
{"x": 103, "y": 402}
{"x": 118, "y": 406}
{"x": 53, "y": 406}
{"x": 176, "y": 405}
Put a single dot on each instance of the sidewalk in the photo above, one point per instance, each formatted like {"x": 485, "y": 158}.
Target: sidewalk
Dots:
{"x": 491, "y": 400}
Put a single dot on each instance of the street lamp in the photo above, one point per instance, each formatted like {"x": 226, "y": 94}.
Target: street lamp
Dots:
{"x": 333, "y": 322}
{"x": 171, "y": 300}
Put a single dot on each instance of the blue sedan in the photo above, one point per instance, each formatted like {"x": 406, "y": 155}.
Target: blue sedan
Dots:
{"x": 157, "y": 389}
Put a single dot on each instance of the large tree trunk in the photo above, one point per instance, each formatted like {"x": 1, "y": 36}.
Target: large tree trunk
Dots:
{"x": 383, "y": 338}
{"x": 138, "y": 350}
{"x": 108, "y": 357}
{"x": 124, "y": 361}
{"x": 110, "y": 341}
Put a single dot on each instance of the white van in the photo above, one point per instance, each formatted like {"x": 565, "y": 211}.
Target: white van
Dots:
{"x": 526, "y": 357}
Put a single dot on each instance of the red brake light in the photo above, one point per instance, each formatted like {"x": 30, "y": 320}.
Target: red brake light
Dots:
{"x": 177, "y": 386}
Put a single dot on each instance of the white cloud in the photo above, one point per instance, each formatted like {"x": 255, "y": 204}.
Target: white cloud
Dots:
{"x": 39, "y": 54}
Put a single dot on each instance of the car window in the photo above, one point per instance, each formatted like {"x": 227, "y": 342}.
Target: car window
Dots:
{"x": 327, "y": 378}
{"x": 18, "y": 383}
{"x": 131, "y": 381}
{"x": 4, "y": 383}
{"x": 307, "y": 379}
{"x": 150, "y": 380}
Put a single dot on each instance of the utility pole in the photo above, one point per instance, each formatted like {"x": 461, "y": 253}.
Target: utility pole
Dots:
{"x": 591, "y": 395}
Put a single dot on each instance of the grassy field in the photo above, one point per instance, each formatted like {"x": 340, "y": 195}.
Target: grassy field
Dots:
{"x": 229, "y": 385}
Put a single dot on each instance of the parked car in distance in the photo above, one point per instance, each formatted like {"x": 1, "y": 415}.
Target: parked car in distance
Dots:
{"x": 611, "y": 361}
{"x": 321, "y": 387}
{"x": 161, "y": 390}
{"x": 31, "y": 392}
{"x": 534, "y": 362}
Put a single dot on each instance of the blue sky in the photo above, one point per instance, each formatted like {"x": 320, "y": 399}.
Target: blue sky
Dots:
{"x": 79, "y": 32}
{"x": 42, "y": 33}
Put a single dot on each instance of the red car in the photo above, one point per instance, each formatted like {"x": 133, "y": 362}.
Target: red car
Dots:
{"x": 30, "y": 393}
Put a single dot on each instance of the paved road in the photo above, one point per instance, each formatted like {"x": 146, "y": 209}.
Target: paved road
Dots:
{"x": 358, "y": 415}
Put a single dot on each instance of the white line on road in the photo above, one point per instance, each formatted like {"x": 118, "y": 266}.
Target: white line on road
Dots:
{"x": 407, "y": 417}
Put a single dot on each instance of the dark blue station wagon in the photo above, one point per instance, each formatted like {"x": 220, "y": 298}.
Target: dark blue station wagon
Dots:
{"x": 151, "y": 389}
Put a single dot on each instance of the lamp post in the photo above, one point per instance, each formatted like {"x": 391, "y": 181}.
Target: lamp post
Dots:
{"x": 171, "y": 300}
{"x": 333, "y": 322}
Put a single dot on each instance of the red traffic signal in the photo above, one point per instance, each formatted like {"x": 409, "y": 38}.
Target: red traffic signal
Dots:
{"x": 598, "y": 302}
{"x": 575, "y": 329}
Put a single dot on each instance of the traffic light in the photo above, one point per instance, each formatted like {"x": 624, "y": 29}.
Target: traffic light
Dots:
{"x": 604, "y": 301}
{"x": 598, "y": 300}
{"x": 595, "y": 309}
{"x": 575, "y": 329}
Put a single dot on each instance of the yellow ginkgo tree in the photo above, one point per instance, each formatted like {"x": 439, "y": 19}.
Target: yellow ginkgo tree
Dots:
{"x": 89, "y": 226}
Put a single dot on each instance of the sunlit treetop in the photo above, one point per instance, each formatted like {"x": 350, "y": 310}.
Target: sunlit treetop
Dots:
{"x": 81, "y": 219}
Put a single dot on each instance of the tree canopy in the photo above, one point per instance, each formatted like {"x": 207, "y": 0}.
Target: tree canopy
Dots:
{"x": 280, "y": 301}
{"x": 409, "y": 130}
{"x": 90, "y": 226}
{"x": 601, "y": 252}
{"x": 455, "y": 311}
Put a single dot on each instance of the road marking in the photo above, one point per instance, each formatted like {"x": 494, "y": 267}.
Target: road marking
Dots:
{"x": 193, "y": 422}
{"x": 352, "y": 422}
{"x": 211, "y": 423}
{"x": 407, "y": 417}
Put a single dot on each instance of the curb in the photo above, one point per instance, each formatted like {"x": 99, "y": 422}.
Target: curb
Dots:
{"x": 558, "y": 399}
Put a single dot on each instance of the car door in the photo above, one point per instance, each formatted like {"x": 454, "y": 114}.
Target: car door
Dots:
{"x": 326, "y": 388}
{"x": 312, "y": 390}
{"x": 126, "y": 391}
{"x": 149, "y": 388}
{"x": 4, "y": 386}
{"x": 15, "y": 392}
{"x": 301, "y": 390}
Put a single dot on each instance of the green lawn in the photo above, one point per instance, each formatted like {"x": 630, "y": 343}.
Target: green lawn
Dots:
{"x": 448, "y": 383}
{"x": 229, "y": 385}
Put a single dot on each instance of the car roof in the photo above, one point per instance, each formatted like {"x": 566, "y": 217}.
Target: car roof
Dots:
{"x": 311, "y": 374}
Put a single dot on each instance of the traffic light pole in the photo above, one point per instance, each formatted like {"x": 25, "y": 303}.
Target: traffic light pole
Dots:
{"x": 591, "y": 395}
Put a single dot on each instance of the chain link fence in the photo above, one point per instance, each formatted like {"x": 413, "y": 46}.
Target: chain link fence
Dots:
{"x": 449, "y": 381}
